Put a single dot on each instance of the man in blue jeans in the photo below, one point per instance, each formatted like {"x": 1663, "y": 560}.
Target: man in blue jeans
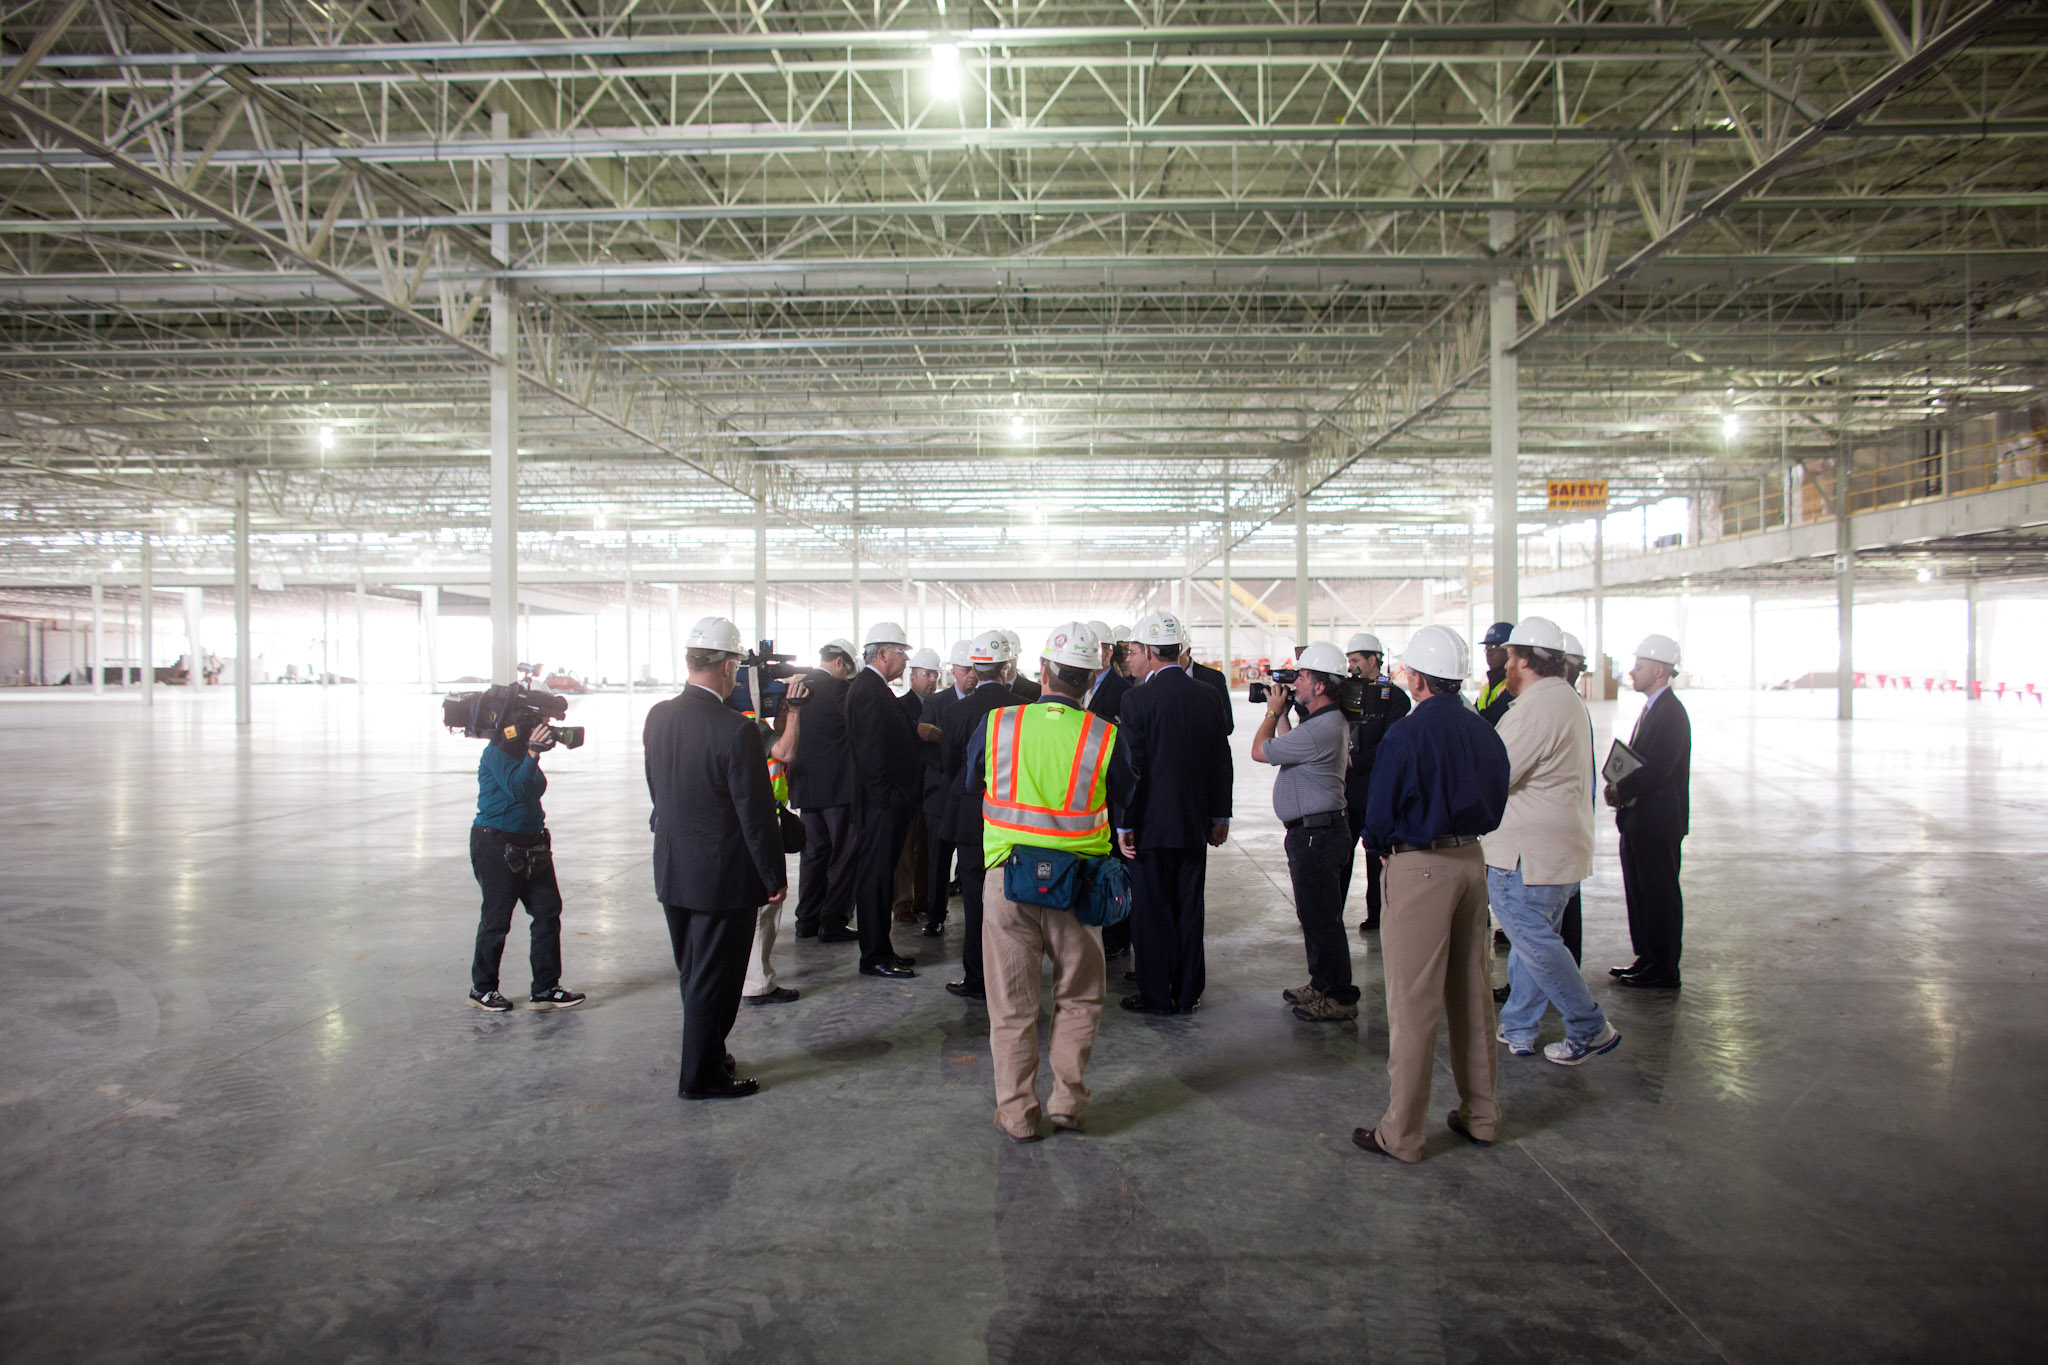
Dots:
{"x": 1544, "y": 848}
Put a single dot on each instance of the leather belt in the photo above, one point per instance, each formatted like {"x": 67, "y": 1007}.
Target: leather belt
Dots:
{"x": 1447, "y": 841}
{"x": 1317, "y": 821}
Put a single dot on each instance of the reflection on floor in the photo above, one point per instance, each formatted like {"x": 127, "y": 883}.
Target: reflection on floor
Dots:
{"x": 248, "y": 1113}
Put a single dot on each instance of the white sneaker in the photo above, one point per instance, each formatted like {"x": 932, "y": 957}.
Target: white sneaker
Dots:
{"x": 1569, "y": 1053}
{"x": 1518, "y": 1049}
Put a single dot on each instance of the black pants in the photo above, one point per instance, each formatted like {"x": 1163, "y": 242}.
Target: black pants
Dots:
{"x": 1573, "y": 928}
{"x": 1374, "y": 866}
{"x": 1166, "y": 925}
{"x": 824, "y": 870}
{"x": 711, "y": 948}
{"x": 939, "y": 856}
{"x": 971, "y": 872}
{"x": 503, "y": 889}
{"x": 1656, "y": 909}
{"x": 883, "y": 826}
{"x": 1318, "y": 863}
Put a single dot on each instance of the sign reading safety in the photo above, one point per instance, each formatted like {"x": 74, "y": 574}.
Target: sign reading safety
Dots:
{"x": 1578, "y": 495}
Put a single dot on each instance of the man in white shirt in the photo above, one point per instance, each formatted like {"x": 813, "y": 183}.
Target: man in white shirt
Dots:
{"x": 1544, "y": 848}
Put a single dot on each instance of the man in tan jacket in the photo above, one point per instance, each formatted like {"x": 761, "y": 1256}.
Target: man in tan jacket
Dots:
{"x": 1544, "y": 848}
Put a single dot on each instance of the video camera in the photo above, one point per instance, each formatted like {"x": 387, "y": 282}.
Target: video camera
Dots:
{"x": 770, "y": 672}
{"x": 1350, "y": 693}
{"x": 510, "y": 710}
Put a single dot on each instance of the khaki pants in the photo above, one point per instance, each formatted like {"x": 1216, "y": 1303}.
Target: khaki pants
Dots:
{"x": 1016, "y": 940}
{"x": 910, "y": 896}
{"x": 1433, "y": 945}
{"x": 760, "y": 967}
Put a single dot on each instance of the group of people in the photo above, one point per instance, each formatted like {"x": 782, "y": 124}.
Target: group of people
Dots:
{"x": 1111, "y": 746}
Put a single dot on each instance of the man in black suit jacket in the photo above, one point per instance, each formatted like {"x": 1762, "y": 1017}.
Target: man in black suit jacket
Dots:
{"x": 886, "y": 782}
{"x": 1106, "y": 693}
{"x": 936, "y": 802}
{"x": 821, "y": 787}
{"x": 717, "y": 849}
{"x": 989, "y": 657}
{"x": 1653, "y": 811}
{"x": 1173, "y": 735}
{"x": 1202, "y": 673}
{"x": 910, "y": 899}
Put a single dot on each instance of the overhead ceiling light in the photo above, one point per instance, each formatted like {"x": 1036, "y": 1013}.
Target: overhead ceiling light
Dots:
{"x": 1731, "y": 426}
{"x": 597, "y": 521}
{"x": 945, "y": 72}
{"x": 1926, "y": 575}
{"x": 1020, "y": 428}
{"x": 324, "y": 438}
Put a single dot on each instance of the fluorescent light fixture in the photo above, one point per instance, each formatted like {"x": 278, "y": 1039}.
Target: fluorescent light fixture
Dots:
{"x": 597, "y": 521}
{"x": 325, "y": 438}
{"x": 1926, "y": 575}
{"x": 1020, "y": 429}
{"x": 1731, "y": 426}
{"x": 945, "y": 71}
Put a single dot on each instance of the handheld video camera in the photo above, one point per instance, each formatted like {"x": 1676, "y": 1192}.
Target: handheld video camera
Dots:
{"x": 1261, "y": 693}
{"x": 762, "y": 683}
{"x": 510, "y": 710}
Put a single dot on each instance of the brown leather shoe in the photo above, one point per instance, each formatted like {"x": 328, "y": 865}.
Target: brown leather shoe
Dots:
{"x": 1363, "y": 1138}
{"x": 1457, "y": 1122}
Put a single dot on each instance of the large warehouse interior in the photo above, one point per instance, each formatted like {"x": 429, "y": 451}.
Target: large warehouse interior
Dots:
{"x": 356, "y": 355}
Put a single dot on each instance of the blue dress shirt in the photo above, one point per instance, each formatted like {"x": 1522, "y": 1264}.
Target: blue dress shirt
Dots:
{"x": 1440, "y": 771}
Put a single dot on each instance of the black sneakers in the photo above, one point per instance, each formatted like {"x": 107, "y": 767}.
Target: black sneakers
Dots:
{"x": 489, "y": 1000}
{"x": 558, "y": 999}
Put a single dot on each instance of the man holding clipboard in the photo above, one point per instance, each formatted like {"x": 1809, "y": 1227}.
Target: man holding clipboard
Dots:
{"x": 1648, "y": 783}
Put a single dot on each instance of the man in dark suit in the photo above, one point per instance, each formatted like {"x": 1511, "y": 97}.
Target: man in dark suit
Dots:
{"x": 821, "y": 788}
{"x": 1106, "y": 692}
{"x": 1202, "y": 673}
{"x": 717, "y": 850}
{"x": 990, "y": 656}
{"x": 1173, "y": 735}
{"x": 937, "y": 802}
{"x": 1026, "y": 688}
{"x": 1653, "y": 811}
{"x": 886, "y": 781}
{"x": 910, "y": 900}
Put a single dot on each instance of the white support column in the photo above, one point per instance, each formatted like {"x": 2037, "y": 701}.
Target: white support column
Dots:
{"x": 96, "y": 662}
{"x": 430, "y": 631}
{"x": 1505, "y": 393}
{"x": 675, "y": 640}
{"x": 127, "y": 650}
{"x": 1752, "y": 642}
{"x": 922, "y": 632}
{"x": 1471, "y": 585}
{"x": 760, "y": 556}
{"x": 1970, "y": 635}
{"x": 1845, "y": 595}
{"x": 326, "y": 636}
{"x": 1228, "y": 670}
{"x": 1301, "y": 626}
{"x": 148, "y": 621}
{"x": 362, "y": 633}
{"x": 629, "y": 616}
{"x": 855, "y": 592}
{"x": 195, "y": 646}
{"x": 243, "y": 661}
{"x": 1599, "y": 659}
{"x": 504, "y": 429}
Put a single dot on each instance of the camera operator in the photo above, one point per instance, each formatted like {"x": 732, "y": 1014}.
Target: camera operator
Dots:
{"x": 1308, "y": 796}
{"x": 821, "y": 788}
{"x": 759, "y": 987}
{"x": 1381, "y": 702}
{"x": 513, "y": 858}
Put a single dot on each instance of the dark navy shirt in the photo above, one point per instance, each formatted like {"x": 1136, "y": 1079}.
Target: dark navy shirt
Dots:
{"x": 508, "y": 792}
{"x": 1441, "y": 770}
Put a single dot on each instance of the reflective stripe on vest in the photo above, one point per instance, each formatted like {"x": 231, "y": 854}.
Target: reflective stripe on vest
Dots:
{"x": 1078, "y": 815}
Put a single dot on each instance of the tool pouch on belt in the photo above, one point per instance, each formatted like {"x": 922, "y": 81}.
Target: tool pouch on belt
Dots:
{"x": 535, "y": 860}
{"x": 1042, "y": 876}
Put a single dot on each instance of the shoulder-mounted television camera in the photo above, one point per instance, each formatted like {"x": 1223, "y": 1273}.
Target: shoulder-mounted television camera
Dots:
{"x": 762, "y": 684}
{"x": 510, "y": 711}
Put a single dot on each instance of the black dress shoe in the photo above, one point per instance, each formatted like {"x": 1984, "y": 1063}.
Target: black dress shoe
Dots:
{"x": 807, "y": 931}
{"x": 1136, "y": 1005}
{"x": 888, "y": 969}
{"x": 842, "y": 934}
{"x": 1369, "y": 926}
{"x": 1457, "y": 1122}
{"x": 779, "y": 995}
{"x": 1130, "y": 976}
{"x": 899, "y": 960}
{"x": 1648, "y": 983}
{"x": 934, "y": 928}
{"x": 1500, "y": 994}
{"x": 965, "y": 991}
{"x": 1629, "y": 970}
{"x": 735, "y": 1088}
{"x": 1363, "y": 1138}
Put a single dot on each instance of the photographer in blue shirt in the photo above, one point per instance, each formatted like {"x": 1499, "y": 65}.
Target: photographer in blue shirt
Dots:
{"x": 510, "y": 852}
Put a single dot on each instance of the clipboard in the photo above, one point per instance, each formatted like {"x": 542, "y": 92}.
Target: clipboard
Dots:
{"x": 1621, "y": 761}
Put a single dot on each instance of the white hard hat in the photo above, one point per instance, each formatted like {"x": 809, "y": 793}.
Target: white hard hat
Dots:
{"x": 1660, "y": 649}
{"x": 888, "y": 633}
{"x": 1365, "y": 642}
{"x": 1320, "y": 656}
{"x": 1537, "y": 632}
{"x": 1157, "y": 628}
{"x": 840, "y": 643}
{"x": 962, "y": 655}
{"x": 1437, "y": 652}
{"x": 715, "y": 632}
{"x": 1572, "y": 648}
{"x": 1103, "y": 634}
{"x": 1075, "y": 644}
{"x": 992, "y": 647}
{"x": 1016, "y": 643}
{"x": 927, "y": 659}
{"x": 1120, "y": 634}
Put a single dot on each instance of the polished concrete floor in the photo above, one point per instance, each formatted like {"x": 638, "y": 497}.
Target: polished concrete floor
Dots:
{"x": 248, "y": 1114}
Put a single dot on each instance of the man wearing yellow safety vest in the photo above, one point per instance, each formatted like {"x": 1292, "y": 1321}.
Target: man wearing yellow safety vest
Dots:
{"x": 1495, "y": 699}
{"x": 1045, "y": 774}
